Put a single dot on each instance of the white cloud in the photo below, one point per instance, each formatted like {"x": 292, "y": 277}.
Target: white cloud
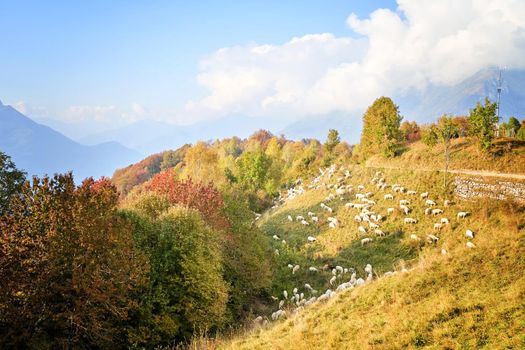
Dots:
{"x": 104, "y": 114}
{"x": 424, "y": 41}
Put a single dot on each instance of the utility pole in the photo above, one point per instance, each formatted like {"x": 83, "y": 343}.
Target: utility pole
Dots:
{"x": 498, "y": 105}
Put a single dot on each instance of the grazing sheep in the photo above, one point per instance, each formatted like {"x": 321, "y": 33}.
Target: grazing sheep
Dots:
{"x": 390, "y": 210}
{"x": 360, "y": 187}
{"x": 281, "y": 304}
{"x": 379, "y": 233}
{"x": 366, "y": 240}
{"x": 311, "y": 239}
{"x": 361, "y": 229}
{"x": 311, "y": 214}
{"x": 283, "y": 242}
{"x": 304, "y": 223}
{"x": 332, "y": 224}
{"x": 285, "y": 294}
{"x": 258, "y": 319}
{"x": 471, "y": 245}
{"x": 315, "y": 219}
{"x": 278, "y": 314}
{"x": 437, "y": 211}
{"x": 276, "y": 252}
{"x": 444, "y": 221}
{"x": 295, "y": 290}
{"x": 313, "y": 269}
{"x": 447, "y": 203}
{"x": 388, "y": 196}
{"x": 358, "y": 218}
{"x": 404, "y": 202}
{"x": 463, "y": 214}
{"x": 359, "y": 282}
{"x": 433, "y": 239}
{"x": 299, "y": 218}
{"x": 414, "y": 237}
{"x": 424, "y": 195}
{"x": 430, "y": 202}
{"x": 411, "y": 193}
{"x": 406, "y": 210}
{"x": 372, "y": 225}
{"x": 368, "y": 268}
{"x": 469, "y": 234}
{"x": 410, "y": 221}
{"x": 276, "y": 237}
{"x": 332, "y": 280}
{"x": 443, "y": 251}
{"x": 307, "y": 286}
{"x": 339, "y": 269}
{"x": 438, "y": 226}
{"x": 428, "y": 211}
{"x": 290, "y": 218}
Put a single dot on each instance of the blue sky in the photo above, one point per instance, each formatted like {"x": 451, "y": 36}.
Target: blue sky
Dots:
{"x": 57, "y": 54}
{"x": 104, "y": 64}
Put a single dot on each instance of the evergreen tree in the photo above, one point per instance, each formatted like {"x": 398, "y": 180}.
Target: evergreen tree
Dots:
{"x": 482, "y": 120}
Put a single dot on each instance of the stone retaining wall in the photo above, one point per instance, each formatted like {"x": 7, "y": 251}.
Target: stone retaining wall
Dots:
{"x": 468, "y": 187}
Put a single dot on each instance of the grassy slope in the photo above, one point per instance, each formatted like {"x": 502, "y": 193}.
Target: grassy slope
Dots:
{"x": 465, "y": 299}
{"x": 507, "y": 156}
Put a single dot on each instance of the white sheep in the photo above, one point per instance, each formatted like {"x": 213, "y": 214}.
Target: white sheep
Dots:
{"x": 438, "y": 226}
{"x": 443, "y": 251}
{"x": 428, "y": 211}
{"x": 311, "y": 214}
{"x": 414, "y": 237}
{"x": 307, "y": 286}
{"x": 281, "y": 304}
{"x": 290, "y": 218}
{"x": 361, "y": 229}
{"x": 469, "y": 234}
{"x": 295, "y": 269}
{"x": 276, "y": 252}
{"x": 290, "y": 266}
{"x": 411, "y": 193}
{"x": 339, "y": 269}
{"x": 304, "y": 223}
{"x": 404, "y": 202}
{"x": 379, "y": 233}
{"x": 299, "y": 218}
{"x": 372, "y": 225}
{"x": 447, "y": 203}
{"x": 276, "y": 237}
{"x": 390, "y": 210}
{"x": 313, "y": 269}
{"x": 430, "y": 202}
{"x": 388, "y": 196}
{"x": 315, "y": 219}
{"x": 424, "y": 195}
{"x": 463, "y": 214}
{"x": 332, "y": 280}
{"x": 437, "y": 211}
{"x": 471, "y": 245}
{"x": 332, "y": 225}
{"x": 358, "y": 218}
{"x": 311, "y": 239}
{"x": 366, "y": 240}
{"x": 368, "y": 268}
{"x": 445, "y": 221}
{"x": 285, "y": 294}
{"x": 410, "y": 221}
{"x": 278, "y": 314}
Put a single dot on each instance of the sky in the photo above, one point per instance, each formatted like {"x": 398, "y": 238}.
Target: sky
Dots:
{"x": 114, "y": 62}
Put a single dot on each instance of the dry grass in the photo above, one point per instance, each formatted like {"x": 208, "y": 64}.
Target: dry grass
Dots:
{"x": 507, "y": 156}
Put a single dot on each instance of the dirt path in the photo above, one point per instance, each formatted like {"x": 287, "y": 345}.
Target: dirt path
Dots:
{"x": 481, "y": 173}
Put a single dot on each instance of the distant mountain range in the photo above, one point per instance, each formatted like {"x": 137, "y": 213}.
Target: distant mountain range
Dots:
{"x": 38, "y": 149}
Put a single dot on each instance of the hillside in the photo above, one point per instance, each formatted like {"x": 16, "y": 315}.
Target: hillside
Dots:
{"x": 38, "y": 149}
{"x": 457, "y": 298}
{"x": 507, "y": 156}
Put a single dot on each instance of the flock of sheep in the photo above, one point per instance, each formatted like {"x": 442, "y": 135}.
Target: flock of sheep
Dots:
{"x": 369, "y": 226}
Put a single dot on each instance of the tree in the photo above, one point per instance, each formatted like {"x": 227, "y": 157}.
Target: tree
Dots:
{"x": 332, "y": 140}
{"x": 446, "y": 130}
{"x": 68, "y": 267}
{"x": 381, "y": 128}
{"x": 253, "y": 169}
{"x": 186, "y": 290}
{"x": 520, "y": 135}
{"x": 462, "y": 125}
{"x": 482, "y": 120}
{"x": 11, "y": 180}
{"x": 429, "y": 135}
{"x": 410, "y": 131}
{"x": 513, "y": 125}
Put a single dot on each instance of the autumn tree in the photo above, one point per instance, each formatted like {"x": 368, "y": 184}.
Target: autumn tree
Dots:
{"x": 11, "y": 180}
{"x": 202, "y": 164}
{"x": 332, "y": 140}
{"x": 381, "y": 133}
{"x": 67, "y": 267}
{"x": 482, "y": 120}
{"x": 520, "y": 135}
{"x": 410, "y": 131}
